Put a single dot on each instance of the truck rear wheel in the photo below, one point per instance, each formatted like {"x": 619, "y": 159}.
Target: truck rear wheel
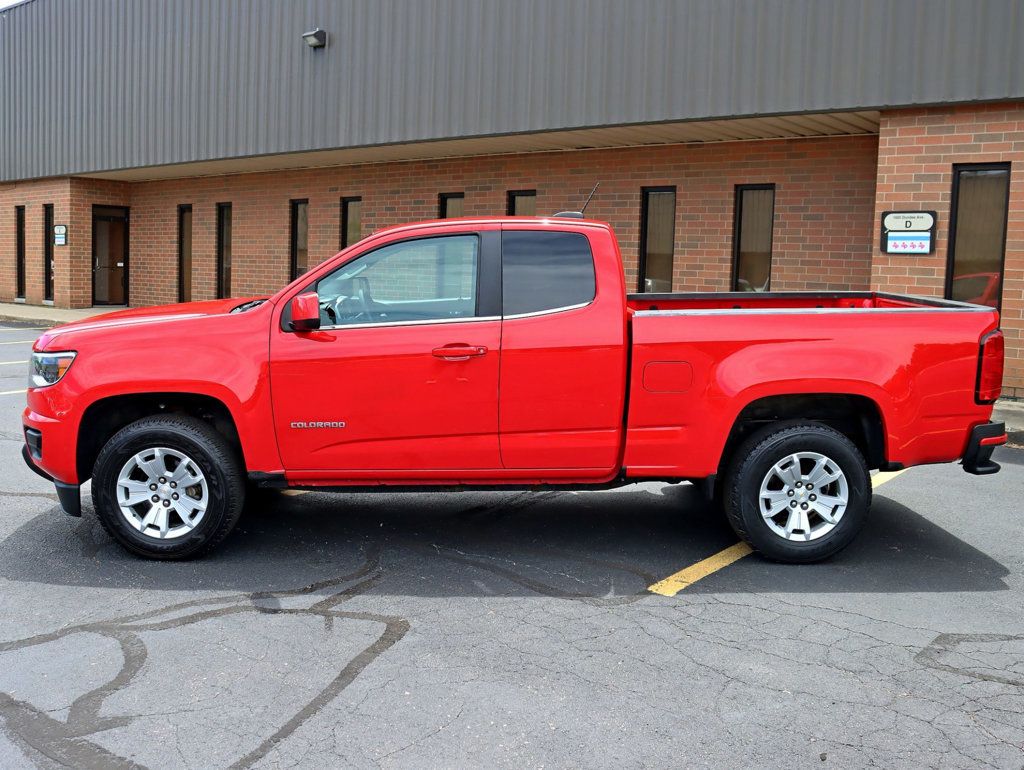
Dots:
{"x": 168, "y": 487}
{"x": 798, "y": 494}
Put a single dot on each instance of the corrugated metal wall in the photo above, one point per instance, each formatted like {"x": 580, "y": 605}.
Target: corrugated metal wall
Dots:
{"x": 106, "y": 84}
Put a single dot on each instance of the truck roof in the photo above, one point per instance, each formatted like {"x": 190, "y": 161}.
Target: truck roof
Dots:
{"x": 552, "y": 220}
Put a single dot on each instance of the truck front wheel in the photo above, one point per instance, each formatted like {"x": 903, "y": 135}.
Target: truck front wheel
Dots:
{"x": 797, "y": 494}
{"x": 168, "y": 487}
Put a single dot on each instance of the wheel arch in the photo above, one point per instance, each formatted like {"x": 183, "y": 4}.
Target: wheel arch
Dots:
{"x": 106, "y": 416}
{"x": 858, "y": 417}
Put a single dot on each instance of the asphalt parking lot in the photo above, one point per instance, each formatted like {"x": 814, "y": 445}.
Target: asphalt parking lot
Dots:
{"x": 511, "y": 629}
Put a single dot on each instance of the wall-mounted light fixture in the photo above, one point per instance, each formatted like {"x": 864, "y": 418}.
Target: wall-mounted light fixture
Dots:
{"x": 315, "y": 38}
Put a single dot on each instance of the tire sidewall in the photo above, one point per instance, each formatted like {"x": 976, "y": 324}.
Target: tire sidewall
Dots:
{"x": 127, "y": 444}
{"x": 751, "y": 473}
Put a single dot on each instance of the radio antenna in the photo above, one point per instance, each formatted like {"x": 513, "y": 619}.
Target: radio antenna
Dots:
{"x": 578, "y": 214}
{"x": 589, "y": 197}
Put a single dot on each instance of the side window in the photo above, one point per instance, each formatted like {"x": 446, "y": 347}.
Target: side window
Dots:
{"x": 429, "y": 279}
{"x": 543, "y": 270}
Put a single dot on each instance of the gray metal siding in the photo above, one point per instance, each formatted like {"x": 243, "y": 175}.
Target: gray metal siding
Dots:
{"x": 107, "y": 84}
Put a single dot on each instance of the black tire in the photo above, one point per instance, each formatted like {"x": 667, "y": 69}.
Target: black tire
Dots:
{"x": 751, "y": 464}
{"x": 209, "y": 450}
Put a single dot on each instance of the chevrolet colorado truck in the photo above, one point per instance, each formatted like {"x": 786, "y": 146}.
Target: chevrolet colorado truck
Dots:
{"x": 505, "y": 352}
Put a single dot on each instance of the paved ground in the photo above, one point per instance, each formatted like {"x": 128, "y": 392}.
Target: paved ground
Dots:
{"x": 511, "y": 630}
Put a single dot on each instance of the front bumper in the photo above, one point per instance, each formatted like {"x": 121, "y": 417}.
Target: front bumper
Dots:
{"x": 50, "y": 426}
{"x": 68, "y": 494}
{"x": 982, "y": 442}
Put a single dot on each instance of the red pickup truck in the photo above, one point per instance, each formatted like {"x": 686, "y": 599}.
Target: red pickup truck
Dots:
{"x": 506, "y": 353}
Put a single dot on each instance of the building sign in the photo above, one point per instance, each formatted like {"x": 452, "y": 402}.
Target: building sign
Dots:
{"x": 60, "y": 235}
{"x": 908, "y": 232}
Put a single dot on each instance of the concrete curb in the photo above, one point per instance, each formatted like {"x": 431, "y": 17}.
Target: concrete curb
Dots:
{"x": 33, "y": 321}
{"x": 1015, "y": 436}
{"x": 42, "y": 317}
{"x": 1011, "y": 413}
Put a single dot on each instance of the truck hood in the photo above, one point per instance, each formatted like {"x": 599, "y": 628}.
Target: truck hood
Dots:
{"x": 143, "y": 316}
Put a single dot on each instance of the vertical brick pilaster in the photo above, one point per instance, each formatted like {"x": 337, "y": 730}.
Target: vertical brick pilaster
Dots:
{"x": 916, "y": 153}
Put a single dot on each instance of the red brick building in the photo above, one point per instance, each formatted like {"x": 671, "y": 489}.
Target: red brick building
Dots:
{"x": 166, "y": 195}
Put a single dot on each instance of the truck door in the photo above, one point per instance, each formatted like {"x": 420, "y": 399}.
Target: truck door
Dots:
{"x": 563, "y": 354}
{"x": 403, "y": 373}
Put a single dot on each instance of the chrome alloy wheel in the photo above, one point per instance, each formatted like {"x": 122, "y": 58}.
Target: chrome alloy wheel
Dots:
{"x": 804, "y": 496}
{"x": 162, "y": 493}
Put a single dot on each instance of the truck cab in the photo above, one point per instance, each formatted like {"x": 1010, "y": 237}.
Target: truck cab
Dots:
{"x": 497, "y": 350}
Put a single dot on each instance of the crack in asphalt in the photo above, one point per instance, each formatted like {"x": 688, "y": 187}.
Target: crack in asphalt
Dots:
{"x": 66, "y": 743}
{"x": 945, "y": 643}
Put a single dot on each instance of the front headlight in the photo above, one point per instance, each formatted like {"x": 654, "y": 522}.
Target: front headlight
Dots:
{"x": 46, "y": 368}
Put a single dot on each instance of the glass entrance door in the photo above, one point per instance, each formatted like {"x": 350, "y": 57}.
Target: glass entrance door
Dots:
{"x": 109, "y": 255}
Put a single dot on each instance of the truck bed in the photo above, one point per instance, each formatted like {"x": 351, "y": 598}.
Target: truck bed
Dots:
{"x": 796, "y": 300}
{"x": 697, "y": 360}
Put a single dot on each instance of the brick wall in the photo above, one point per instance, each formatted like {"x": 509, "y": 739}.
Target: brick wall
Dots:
{"x": 33, "y": 196}
{"x": 824, "y": 204}
{"x": 72, "y": 201}
{"x": 917, "y": 150}
{"x": 824, "y": 194}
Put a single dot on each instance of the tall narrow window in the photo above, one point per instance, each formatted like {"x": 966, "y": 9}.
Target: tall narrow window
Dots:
{"x": 351, "y": 221}
{"x": 522, "y": 203}
{"x": 223, "y": 250}
{"x": 450, "y": 205}
{"x": 657, "y": 238}
{"x": 752, "y": 237}
{"x": 299, "y": 240}
{"x": 48, "y": 252}
{"x": 185, "y": 253}
{"x": 19, "y": 251}
{"x": 977, "y": 236}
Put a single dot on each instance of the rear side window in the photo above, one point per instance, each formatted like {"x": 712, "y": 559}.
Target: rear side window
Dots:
{"x": 542, "y": 270}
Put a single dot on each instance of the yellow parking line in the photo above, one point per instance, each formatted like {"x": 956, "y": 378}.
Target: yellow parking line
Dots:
{"x": 883, "y": 476}
{"x": 685, "y": 578}
{"x": 673, "y": 584}
{"x": 17, "y": 342}
{"x": 11, "y": 392}
{"x": 9, "y": 363}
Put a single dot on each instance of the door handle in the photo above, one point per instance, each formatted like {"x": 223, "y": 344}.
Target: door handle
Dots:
{"x": 459, "y": 352}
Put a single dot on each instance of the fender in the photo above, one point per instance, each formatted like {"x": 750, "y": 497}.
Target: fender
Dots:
{"x": 222, "y": 356}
